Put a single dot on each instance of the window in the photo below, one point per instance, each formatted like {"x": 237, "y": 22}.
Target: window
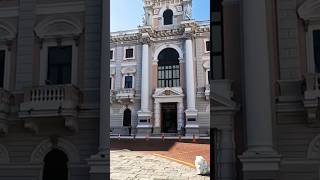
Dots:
{"x": 111, "y": 54}
{"x": 59, "y": 65}
{"x": 207, "y": 46}
{"x": 217, "y": 60}
{"x": 127, "y": 118}
{"x": 208, "y": 76}
{"x": 167, "y": 17}
{"x": 2, "y": 63}
{"x": 110, "y": 78}
{"x": 168, "y": 68}
{"x": 128, "y": 82}
{"x": 316, "y": 49}
{"x": 129, "y": 53}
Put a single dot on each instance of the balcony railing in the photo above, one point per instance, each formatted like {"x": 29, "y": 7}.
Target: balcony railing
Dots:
{"x": 52, "y": 97}
{"x": 126, "y": 94}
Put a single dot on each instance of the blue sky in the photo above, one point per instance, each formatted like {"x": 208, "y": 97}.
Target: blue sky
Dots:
{"x": 127, "y": 14}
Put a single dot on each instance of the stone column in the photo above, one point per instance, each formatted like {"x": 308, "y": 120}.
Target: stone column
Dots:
{"x": 144, "y": 126}
{"x": 180, "y": 117}
{"x": 260, "y": 155}
{"x": 99, "y": 163}
{"x": 192, "y": 126}
{"x": 157, "y": 110}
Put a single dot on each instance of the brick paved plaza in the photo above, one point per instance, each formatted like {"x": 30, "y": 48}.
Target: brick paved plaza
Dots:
{"x": 156, "y": 159}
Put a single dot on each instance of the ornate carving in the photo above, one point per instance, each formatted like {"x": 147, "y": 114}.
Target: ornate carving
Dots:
{"x": 187, "y": 12}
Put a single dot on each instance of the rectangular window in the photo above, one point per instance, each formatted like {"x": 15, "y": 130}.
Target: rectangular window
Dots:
{"x": 168, "y": 76}
{"x": 128, "y": 82}
{"x": 209, "y": 77}
{"x": 59, "y": 65}
{"x": 217, "y": 60}
{"x": 316, "y": 49}
{"x": 129, "y": 53}
{"x": 110, "y": 78}
{"x": 2, "y": 62}
{"x": 207, "y": 46}
{"x": 111, "y": 54}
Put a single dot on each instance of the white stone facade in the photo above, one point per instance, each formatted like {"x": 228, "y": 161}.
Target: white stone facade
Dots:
{"x": 146, "y": 97}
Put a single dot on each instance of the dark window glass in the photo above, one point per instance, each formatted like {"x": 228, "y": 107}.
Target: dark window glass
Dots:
{"x": 2, "y": 61}
{"x": 316, "y": 45}
{"x": 129, "y": 53}
{"x": 217, "y": 60}
{"x": 167, "y": 17}
{"x": 168, "y": 68}
{"x": 111, "y": 54}
{"x": 110, "y": 78}
{"x": 207, "y": 45}
{"x": 127, "y": 117}
{"x": 55, "y": 165}
{"x": 209, "y": 77}
{"x": 128, "y": 82}
{"x": 59, "y": 65}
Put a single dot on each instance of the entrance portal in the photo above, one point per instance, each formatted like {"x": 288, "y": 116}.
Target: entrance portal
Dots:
{"x": 169, "y": 117}
{"x": 55, "y": 167}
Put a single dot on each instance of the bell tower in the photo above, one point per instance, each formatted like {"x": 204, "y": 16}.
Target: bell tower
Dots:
{"x": 166, "y": 14}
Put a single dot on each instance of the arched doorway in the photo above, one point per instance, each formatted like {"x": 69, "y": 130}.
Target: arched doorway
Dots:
{"x": 168, "y": 68}
{"x": 55, "y": 165}
{"x": 127, "y": 119}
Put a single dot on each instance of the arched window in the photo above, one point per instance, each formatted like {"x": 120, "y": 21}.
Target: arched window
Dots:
{"x": 55, "y": 166}
{"x": 168, "y": 68}
{"x": 167, "y": 17}
{"x": 127, "y": 118}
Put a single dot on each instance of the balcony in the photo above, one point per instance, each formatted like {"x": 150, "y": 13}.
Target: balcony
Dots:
{"x": 54, "y": 101}
{"x": 125, "y": 95}
{"x": 5, "y": 101}
{"x": 311, "y": 100}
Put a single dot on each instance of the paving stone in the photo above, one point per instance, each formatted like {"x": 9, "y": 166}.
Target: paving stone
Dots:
{"x": 134, "y": 165}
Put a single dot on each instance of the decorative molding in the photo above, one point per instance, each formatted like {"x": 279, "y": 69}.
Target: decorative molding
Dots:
{"x": 57, "y": 26}
{"x": 310, "y": 10}
{"x": 66, "y": 7}
{"x": 47, "y": 145}
{"x": 314, "y": 149}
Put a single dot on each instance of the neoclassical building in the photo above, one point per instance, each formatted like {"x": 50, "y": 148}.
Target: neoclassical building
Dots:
{"x": 52, "y": 122}
{"x": 159, "y": 73}
{"x": 266, "y": 89}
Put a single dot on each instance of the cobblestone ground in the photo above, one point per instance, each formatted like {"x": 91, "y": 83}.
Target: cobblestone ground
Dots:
{"x": 127, "y": 165}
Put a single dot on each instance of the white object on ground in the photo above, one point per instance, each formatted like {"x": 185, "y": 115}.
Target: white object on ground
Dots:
{"x": 201, "y": 166}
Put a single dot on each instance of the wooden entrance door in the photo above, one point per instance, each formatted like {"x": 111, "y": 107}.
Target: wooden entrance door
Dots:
{"x": 169, "y": 117}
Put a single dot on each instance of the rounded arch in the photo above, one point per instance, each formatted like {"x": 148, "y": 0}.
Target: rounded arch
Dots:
{"x": 164, "y": 46}
{"x": 172, "y": 8}
{"x": 127, "y": 117}
{"x": 314, "y": 148}
{"x": 167, "y": 17}
{"x": 53, "y": 26}
{"x": 4, "y": 155}
{"x": 7, "y": 31}
{"x": 123, "y": 108}
{"x": 46, "y": 146}
{"x": 168, "y": 56}
{"x": 55, "y": 165}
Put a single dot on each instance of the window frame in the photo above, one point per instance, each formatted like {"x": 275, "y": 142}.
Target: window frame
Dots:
{"x": 205, "y": 46}
{"x": 7, "y": 66}
{"x": 163, "y": 17}
{"x": 113, "y": 53}
{"x": 310, "y": 48}
{"x": 125, "y": 52}
{"x": 123, "y": 81}
{"x": 44, "y": 59}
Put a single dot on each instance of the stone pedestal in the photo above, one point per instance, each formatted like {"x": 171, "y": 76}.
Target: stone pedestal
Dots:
{"x": 99, "y": 166}
{"x": 144, "y": 126}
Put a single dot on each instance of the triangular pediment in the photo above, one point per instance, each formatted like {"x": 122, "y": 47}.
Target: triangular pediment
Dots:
{"x": 310, "y": 10}
{"x": 168, "y": 92}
